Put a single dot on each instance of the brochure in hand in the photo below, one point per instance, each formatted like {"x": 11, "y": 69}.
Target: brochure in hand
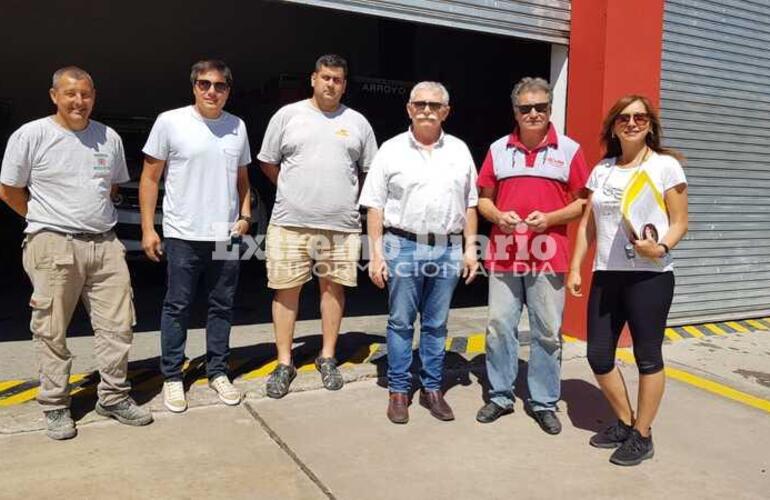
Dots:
{"x": 643, "y": 208}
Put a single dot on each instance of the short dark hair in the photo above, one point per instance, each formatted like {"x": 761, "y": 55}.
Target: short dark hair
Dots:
{"x": 332, "y": 61}
{"x": 211, "y": 65}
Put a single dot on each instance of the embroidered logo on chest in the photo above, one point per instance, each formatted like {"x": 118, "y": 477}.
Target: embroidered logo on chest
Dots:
{"x": 554, "y": 162}
{"x": 102, "y": 164}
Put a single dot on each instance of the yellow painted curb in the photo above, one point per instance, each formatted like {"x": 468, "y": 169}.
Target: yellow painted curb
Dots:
{"x": 705, "y": 384}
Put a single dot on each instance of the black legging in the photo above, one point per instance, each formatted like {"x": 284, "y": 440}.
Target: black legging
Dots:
{"x": 641, "y": 298}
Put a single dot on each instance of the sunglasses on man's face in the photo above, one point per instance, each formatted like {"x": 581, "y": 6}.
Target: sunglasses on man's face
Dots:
{"x": 540, "y": 107}
{"x": 640, "y": 119}
{"x": 219, "y": 87}
{"x": 432, "y": 105}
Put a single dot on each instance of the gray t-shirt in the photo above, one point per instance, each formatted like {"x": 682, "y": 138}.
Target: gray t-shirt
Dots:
{"x": 68, "y": 175}
{"x": 320, "y": 155}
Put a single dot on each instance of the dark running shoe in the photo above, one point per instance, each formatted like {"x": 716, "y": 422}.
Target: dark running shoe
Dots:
{"x": 279, "y": 381}
{"x": 330, "y": 374}
{"x": 611, "y": 437}
{"x": 491, "y": 412}
{"x": 633, "y": 450}
{"x": 546, "y": 419}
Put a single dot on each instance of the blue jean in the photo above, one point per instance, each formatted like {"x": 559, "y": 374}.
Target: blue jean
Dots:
{"x": 421, "y": 278}
{"x": 187, "y": 261}
{"x": 543, "y": 294}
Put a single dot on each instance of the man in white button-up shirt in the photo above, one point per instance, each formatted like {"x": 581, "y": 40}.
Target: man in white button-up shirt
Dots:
{"x": 421, "y": 189}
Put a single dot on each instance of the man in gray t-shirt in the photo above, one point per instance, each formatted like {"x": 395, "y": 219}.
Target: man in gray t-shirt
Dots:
{"x": 58, "y": 173}
{"x": 314, "y": 150}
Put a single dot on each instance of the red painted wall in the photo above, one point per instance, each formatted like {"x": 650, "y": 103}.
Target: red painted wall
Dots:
{"x": 615, "y": 49}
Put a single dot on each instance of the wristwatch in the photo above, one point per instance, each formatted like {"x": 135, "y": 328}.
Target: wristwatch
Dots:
{"x": 666, "y": 249}
{"x": 247, "y": 218}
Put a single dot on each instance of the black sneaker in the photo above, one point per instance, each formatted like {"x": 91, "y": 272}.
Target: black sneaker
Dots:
{"x": 633, "y": 450}
{"x": 330, "y": 374}
{"x": 546, "y": 419}
{"x": 611, "y": 437}
{"x": 279, "y": 381}
{"x": 491, "y": 412}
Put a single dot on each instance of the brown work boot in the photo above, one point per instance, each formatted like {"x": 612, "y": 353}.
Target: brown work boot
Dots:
{"x": 398, "y": 408}
{"x": 435, "y": 402}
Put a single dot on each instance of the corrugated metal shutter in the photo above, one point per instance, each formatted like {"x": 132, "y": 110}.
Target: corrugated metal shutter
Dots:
{"x": 715, "y": 102}
{"x": 545, "y": 20}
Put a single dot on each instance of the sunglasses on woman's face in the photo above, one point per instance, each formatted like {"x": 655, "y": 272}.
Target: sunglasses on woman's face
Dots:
{"x": 205, "y": 85}
{"x": 640, "y": 119}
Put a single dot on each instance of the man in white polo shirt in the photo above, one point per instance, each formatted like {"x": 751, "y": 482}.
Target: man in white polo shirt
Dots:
{"x": 58, "y": 173}
{"x": 314, "y": 150}
{"x": 204, "y": 152}
{"x": 422, "y": 190}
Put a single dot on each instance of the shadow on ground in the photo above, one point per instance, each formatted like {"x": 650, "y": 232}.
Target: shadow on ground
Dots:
{"x": 147, "y": 382}
{"x": 252, "y": 302}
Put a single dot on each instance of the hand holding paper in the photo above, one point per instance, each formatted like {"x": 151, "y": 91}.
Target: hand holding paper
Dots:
{"x": 644, "y": 214}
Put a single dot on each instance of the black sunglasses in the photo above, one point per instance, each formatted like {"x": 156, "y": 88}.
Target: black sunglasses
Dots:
{"x": 540, "y": 107}
{"x": 219, "y": 87}
{"x": 432, "y": 105}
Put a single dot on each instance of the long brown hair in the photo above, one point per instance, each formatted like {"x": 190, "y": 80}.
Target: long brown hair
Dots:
{"x": 612, "y": 144}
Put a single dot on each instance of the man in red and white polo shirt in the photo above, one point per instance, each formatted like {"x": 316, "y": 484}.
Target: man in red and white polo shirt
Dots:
{"x": 530, "y": 186}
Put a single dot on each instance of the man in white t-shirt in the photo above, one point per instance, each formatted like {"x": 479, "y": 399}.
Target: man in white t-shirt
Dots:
{"x": 58, "y": 173}
{"x": 204, "y": 152}
{"x": 314, "y": 150}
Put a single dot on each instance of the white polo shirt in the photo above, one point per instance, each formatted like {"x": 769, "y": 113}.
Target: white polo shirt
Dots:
{"x": 420, "y": 190}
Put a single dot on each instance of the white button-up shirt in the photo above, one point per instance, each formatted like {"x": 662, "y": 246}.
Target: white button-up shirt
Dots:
{"x": 422, "y": 190}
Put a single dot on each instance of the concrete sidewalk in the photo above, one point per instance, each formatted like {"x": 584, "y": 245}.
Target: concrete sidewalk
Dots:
{"x": 321, "y": 444}
{"x": 710, "y": 441}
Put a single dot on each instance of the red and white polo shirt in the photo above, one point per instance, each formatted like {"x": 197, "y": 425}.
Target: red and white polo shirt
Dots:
{"x": 527, "y": 180}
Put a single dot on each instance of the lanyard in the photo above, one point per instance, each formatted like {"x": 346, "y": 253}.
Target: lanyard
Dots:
{"x": 615, "y": 193}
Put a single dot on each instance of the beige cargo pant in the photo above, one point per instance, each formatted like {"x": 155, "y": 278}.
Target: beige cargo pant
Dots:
{"x": 64, "y": 269}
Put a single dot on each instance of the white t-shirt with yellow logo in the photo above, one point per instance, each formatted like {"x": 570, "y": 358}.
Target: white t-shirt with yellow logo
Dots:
{"x": 320, "y": 155}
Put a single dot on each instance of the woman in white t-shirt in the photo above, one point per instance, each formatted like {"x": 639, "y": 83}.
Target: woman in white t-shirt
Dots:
{"x": 633, "y": 279}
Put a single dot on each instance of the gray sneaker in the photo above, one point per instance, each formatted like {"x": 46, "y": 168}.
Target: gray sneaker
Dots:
{"x": 330, "y": 374}
{"x": 126, "y": 412}
{"x": 279, "y": 381}
{"x": 60, "y": 424}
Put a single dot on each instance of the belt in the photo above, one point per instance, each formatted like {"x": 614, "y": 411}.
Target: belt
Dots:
{"x": 82, "y": 236}
{"x": 429, "y": 238}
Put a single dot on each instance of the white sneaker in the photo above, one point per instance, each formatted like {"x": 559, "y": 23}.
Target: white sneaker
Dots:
{"x": 227, "y": 392}
{"x": 173, "y": 396}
